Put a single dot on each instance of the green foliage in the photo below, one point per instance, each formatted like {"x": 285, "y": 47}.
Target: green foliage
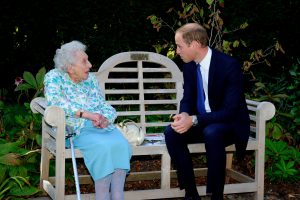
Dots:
{"x": 282, "y": 162}
{"x": 283, "y": 172}
{"x": 277, "y": 150}
{"x": 274, "y": 130}
{"x": 15, "y": 187}
{"x": 208, "y": 14}
{"x": 31, "y": 83}
{"x": 16, "y": 162}
{"x": 20, "y": 141}
{"x": 294, "y": 97}
{"x": 205, "y": 13}
{"x": 284, "y": 92}
{"x": 3, "y": 94}
{"x": 19, "y": 121}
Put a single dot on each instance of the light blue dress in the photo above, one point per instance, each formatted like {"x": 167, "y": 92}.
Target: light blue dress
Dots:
{"x": 104, "y": 150}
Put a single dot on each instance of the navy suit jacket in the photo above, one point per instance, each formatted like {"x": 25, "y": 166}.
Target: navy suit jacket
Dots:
{"x": 225, "y": 94}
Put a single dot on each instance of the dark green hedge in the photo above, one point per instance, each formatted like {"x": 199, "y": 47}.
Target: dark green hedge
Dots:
{"x": 31, "y": 30}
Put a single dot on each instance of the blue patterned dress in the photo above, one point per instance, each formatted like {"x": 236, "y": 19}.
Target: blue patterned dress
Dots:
{"x": 104, "y": 150}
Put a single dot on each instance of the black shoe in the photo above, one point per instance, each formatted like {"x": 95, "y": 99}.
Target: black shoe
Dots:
{"x": 217, "y": 197}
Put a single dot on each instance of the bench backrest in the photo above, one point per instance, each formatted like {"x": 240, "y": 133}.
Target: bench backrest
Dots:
{"x": 143, "y": 86}
{"x": 147, "y": 88}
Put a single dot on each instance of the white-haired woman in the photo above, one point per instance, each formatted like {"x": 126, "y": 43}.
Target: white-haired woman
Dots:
{"x": 105, "y": 151}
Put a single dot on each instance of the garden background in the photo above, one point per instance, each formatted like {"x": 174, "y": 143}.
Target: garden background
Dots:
{"x": 262, "y": 35}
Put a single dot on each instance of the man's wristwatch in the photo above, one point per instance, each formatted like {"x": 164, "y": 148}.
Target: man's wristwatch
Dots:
{"x": 194, "y": 120}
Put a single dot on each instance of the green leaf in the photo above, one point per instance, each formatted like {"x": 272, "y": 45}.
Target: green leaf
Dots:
{"x": 171, "y": 53}
{"x": 295, "y": 155}
{"x": 209, "y": 2}
{"x": 290, "y": 164}
{"x": 3, "y": 170}
{"x": 201, "y": 12}
{"x": 10, "y": 159}
{"x": 10, "y": 147}
{"x": 18, "y": 171}
{"x": 29, "y": 78}
{"x": 243, "y": 43}
{"x": 277, "y": 150}
{"x": 38, "y": 138}
{"x": 24, "y": 87}
{"x": 244, "y": 25}
{"x": 277, "y": 132}
{"x": 24, "y": 191}
{"x": 236, "y": 43}
{"x": 40, "y": 77}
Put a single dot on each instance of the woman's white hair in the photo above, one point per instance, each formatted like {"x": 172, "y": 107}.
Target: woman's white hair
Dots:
{"x": 66, "y": 54}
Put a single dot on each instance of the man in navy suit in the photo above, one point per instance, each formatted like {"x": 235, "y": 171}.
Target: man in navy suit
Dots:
{"x": 223, "y": 119}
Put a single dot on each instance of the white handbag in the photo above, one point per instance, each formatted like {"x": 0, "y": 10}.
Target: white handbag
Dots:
{"x": 131, "y": 131}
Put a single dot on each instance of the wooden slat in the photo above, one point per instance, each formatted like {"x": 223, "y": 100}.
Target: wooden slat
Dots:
{"x": 138, "y": 102}
{"x": 48, "y": 187}
{"x": 239, "y": 176}
{"x": 161, "y": 112}
{"x": 145, "y": 80}
{"x": 251, "y": 108}
{"x": 90, "y": 196}
{"x": 124, "y": 69}
{"x": 136, "y": 91}
{"x": 253, "y": 129}
{"x": 160, "y": 101}
{"x": 50, "y": 130}
{"x": 253, "y": 103}
{"x": 130, "y": 69}
{"x": 252, "y": 117}
{"x": 154, "y": 124}
{"x": 50, "y": 144}
{"x": 78, "y": 153}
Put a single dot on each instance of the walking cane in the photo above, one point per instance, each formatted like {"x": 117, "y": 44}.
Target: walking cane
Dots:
{"x": 69, "y": 136}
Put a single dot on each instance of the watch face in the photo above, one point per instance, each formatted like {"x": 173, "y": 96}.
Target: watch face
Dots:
{"x": 194, "y": 120}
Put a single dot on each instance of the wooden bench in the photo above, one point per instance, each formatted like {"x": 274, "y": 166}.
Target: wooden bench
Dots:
{"x": 146, "y": 87}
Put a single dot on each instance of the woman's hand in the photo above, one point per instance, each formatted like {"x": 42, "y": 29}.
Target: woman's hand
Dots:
{"x": 100, "y": 121}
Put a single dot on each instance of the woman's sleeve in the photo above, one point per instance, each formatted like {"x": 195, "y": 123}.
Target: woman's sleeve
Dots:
{"x": 104, "y": 108}
{"x": 55, "y": 93}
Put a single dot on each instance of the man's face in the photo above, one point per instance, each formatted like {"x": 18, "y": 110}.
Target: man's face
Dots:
{"x": 185, "y": 51}
{"x": 81, "y": 67}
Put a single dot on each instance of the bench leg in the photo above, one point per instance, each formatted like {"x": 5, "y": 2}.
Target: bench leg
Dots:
{"x": 45, "y": 160}
{"x": 165, "y": 171}
{"x": 259, "y": 172}
{"x": 229, "y": 157}
{"x": 44, "y": 168}
{"x": 60, "y": 165}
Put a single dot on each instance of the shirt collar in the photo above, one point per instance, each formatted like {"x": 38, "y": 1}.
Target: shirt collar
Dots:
{"x": 206, "y": 60}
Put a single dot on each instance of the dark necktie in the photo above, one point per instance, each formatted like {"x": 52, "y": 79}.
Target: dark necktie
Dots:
{"x": 200, "y": 92}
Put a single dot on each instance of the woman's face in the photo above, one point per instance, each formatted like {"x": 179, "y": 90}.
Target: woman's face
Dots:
{"x": 79, "y": 70}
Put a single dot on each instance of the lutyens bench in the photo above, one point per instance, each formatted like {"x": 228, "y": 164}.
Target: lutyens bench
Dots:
{"x": 146, "y": 87}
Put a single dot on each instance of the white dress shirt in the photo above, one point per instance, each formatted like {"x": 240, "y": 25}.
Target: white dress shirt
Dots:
{"x": 204, "y": 67}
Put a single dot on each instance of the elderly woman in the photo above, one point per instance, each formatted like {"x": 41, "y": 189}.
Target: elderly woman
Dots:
{"x": 105, "y": 151}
